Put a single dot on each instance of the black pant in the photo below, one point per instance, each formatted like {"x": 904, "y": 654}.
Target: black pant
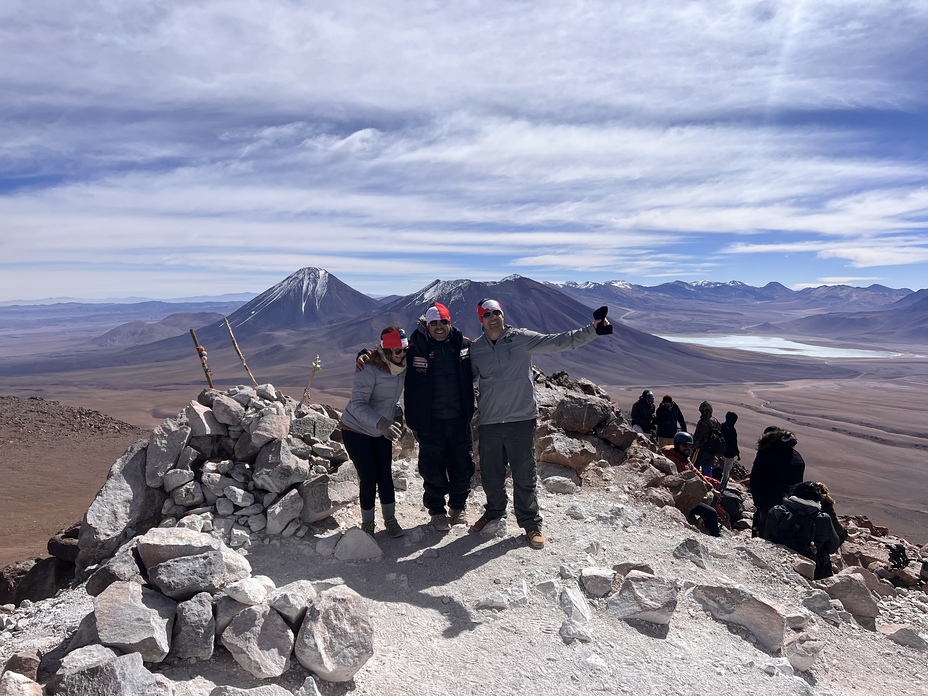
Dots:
{"x": 709, "y": 517}
{"x": 513, "y": 443}
{"x": 373, "y": 458}
{"x": 446, "y": 463}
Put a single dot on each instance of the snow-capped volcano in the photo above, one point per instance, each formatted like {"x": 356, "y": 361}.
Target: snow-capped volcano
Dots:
{"x": 309, "y": 297}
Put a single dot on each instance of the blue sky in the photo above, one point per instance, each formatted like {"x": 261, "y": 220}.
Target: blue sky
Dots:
{"x": 176, "y": 149}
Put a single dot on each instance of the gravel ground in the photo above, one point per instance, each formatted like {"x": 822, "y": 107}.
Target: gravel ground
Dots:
{"x": 431, "y": 637}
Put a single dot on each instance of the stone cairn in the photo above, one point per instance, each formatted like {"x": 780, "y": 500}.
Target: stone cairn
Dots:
{"x": 157, "y": 547}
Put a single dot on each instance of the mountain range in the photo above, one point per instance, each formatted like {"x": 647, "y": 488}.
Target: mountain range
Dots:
{"x": 312, "y": 312}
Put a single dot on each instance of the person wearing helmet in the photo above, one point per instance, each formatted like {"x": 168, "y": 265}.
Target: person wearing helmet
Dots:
{"x": 643, "y": 413}
{"x": 679, "y": 453}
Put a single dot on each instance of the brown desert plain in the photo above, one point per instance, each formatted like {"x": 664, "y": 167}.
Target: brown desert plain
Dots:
{"x": 864, "y": 437}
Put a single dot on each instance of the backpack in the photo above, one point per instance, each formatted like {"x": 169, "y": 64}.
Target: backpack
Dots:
{"x": 733, "y": 504}
{"x": 716, "y": 444}
{"x": 794, "y": 531}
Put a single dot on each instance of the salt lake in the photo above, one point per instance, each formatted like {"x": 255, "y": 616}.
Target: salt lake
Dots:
{"x": 781, "y": 346}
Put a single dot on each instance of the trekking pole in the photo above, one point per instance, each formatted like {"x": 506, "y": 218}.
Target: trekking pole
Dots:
{"x": 317, "y": 367}
{"x": 239, "y": 352}
{"x": 201, "y": 351}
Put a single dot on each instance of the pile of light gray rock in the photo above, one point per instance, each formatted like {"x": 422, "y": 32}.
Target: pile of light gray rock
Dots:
{"x": 188, "y": 592}
{"x": 233, "y": 464}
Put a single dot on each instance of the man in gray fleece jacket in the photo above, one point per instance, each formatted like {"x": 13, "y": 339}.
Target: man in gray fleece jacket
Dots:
{"x": 502, "y": 365}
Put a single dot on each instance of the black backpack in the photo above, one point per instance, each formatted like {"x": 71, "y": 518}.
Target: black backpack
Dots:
{"x": 716, "y": 444}
{"x": 733, "y": 503}
{"x": 794, "y": 531}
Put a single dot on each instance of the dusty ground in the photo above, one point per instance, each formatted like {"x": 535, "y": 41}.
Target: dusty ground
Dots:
{"x": 53, "y": 460}
{"x": 433, "y": 638}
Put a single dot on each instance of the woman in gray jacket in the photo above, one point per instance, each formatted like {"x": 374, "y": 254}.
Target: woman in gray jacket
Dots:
{"x": 371, "y": 422}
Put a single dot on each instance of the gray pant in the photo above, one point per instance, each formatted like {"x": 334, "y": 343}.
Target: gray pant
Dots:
{"x": 512, "y": 443}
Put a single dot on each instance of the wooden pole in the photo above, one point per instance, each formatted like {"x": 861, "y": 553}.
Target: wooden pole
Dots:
{"x": 239, "y": 352}
{"x": 201, "y": 352}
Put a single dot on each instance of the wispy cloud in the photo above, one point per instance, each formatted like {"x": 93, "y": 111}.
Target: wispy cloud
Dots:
{"x": 391, "y": 142}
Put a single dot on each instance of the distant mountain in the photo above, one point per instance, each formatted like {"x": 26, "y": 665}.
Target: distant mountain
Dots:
{"x": 841, "y": 296}
{"x": 282, "y": 330}
{"x": 910, "y": 299}
{"x": 308, "y": 298}
{"x": 102, "y": 317}
{"x": 901, "y": 323}
{"x": 138, "y": 333}
{"x": 679, "y": 308}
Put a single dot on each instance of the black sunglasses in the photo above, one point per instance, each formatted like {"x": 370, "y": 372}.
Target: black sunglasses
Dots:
{"x": 494, "y": 312}
{"x": 436, "y": 322}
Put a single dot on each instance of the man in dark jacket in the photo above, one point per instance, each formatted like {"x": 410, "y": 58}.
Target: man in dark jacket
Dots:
{"x": 799, "y": 523}
{"x": 669, "y": 419}
{"x": 777, "y": 467}
{"x": 439, "y": 403}
{"x": 643, "y": 413}
{"x": 708, "y": 440}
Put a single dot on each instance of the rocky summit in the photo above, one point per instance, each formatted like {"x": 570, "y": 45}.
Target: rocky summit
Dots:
{"x": 222, "y": 555}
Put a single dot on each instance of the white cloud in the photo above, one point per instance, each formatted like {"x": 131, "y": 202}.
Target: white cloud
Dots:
{"x": 557, "y": 137}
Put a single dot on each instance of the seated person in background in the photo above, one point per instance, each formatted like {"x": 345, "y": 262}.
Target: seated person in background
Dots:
{"x": 679, "y": 453}
{"x": 799, "y": 523}
{"x": 777, "y": 466}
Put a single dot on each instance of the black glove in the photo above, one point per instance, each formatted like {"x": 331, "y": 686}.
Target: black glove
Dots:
{"x": 603, "y": 328}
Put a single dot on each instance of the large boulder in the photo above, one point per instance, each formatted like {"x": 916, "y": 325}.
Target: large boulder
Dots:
{"x": 227, "y": 410}
{"x": 125, "y": 506}
{"x": 736, "y": 605}
{"x": 202, "y": 421}
{"x": 277, "y": 468}
{"x": 557, "y": 448}
{"x": 336, "y": 638}
{"x": 274, "y": 426}
{"x": 167, "y": 441}
{"x": 581, "y": 413}
{"x": 182, "y": 578}
{"x": 133, "y": 618}
{"x": 194, "y": 628}
{"x": 16, "y": 684}
{"x": 260, "y": 641}
{"x": 645, "y": 597}
{"x": 853, "y": 593}
{"x": 284, "y": 511}
{"x": 121, "y": 676}
{"x": 167, "y": 543}
{"x": 324, "y": 494}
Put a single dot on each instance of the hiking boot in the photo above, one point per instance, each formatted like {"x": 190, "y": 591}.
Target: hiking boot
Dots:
{"x": 481, "y": 522}
{"x": 535, "y": 538}
{"x": 441, "y": 522}
{"x": 393, "y": 528}
{"x": 457, "y": 516}
{"x": 368, "y": 527}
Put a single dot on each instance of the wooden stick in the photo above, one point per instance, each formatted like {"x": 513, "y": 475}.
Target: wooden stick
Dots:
{"x": 201, "y": 351}
{"x": 237, "y": 350}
